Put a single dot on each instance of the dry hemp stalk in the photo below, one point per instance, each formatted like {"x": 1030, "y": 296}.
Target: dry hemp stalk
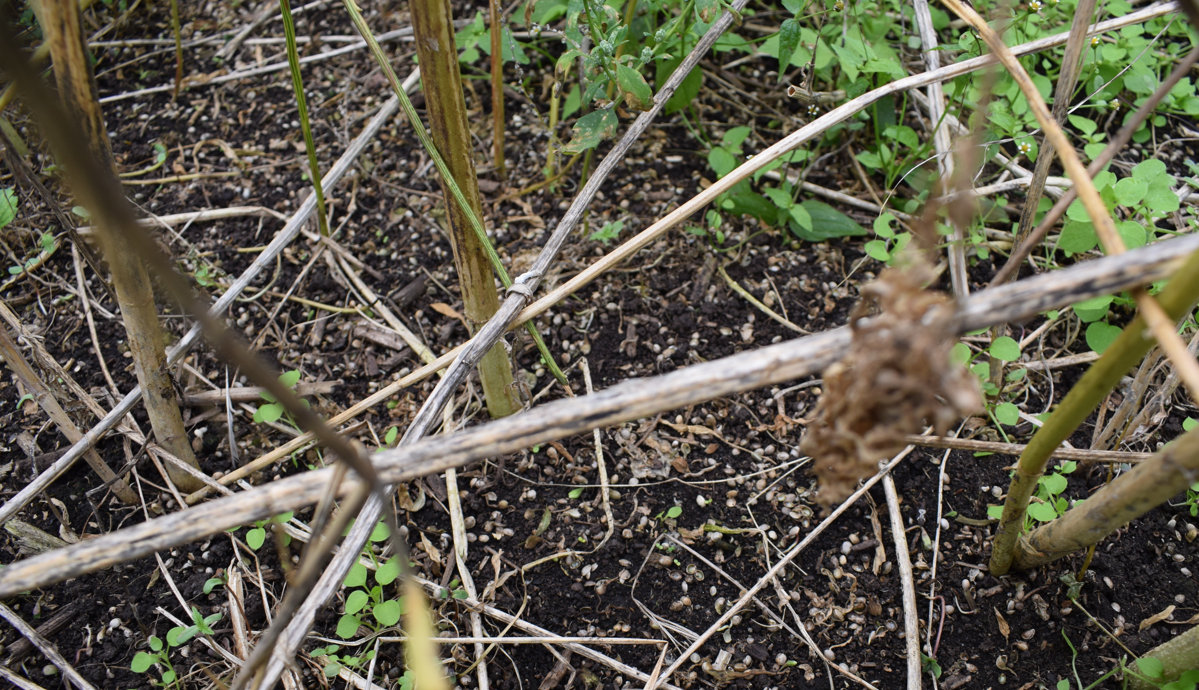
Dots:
{"x": 896, "y": 378}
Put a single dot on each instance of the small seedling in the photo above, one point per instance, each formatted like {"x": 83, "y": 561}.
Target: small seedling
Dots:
{"x": 160, "y": 650}
{"x": 1048, "y": 502}
{"x": 272, "y": 411}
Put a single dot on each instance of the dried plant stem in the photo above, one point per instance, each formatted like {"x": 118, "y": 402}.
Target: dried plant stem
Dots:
{"x": 633, "y": 399}
{"x": 130, "y": 277}
{"x": 265, "y": 258}
{"x": 497, "y": 89}
{"x": 1161, "y": 327}
{"x": 1177, "y": 655}
{"x": 1127, "y": 497}
{"x": 911, "y": 626}
{"x": 432, "y": 22}
{"x": 1062, "y": 91}
{"x": 46, "y": 400}
{"x": 1177, "y": 298}
{"x": 1021, "y": 250}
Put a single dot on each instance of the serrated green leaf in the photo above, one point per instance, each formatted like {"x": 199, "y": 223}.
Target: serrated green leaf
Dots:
{"x": 1005, "y": 349}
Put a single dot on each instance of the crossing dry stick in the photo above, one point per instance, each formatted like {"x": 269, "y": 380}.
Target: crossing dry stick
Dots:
{"x": 633, "y": 399}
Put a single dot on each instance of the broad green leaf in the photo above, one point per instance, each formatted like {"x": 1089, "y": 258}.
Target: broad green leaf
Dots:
{"x": 1149, "y": 170}
{"x": 389, "y": 571}
{"x": 8, "y": 206}
{"x": 255, "y": 538}
{"x": 721, "y": 161}
{"x": 142, "y": 661}
{"x": 388, "y": 612}
{"x": 1077, "y": 237}
{"x": 882, "y": 225}
{"x": 1093, "y": 309}
{"x": 994, "y": 512}
{"x": 1054, "y": 484}
{"x": 180, "y": 635}
{"x": 356, "y": 601}
{"x": 637, "y": 93}
{"x": 960, "y": 353}
{"x": 1132, "y": 232}
{"x": 590, "y": 130}
{"x": 356, "y": 577}
{"x": 707, "y": 10}
{"x": 828, "y": 223}
{"x": 271, "y": 412}
{"x": 347, "y": 626}
{"x": 380, "y": 532}
{"x": 1160, "y": 198}
{"x": 1100, "y": 335}
{"x": 1151, "y": 667}
{"x": 1130, "y": 191}
{"x": 735, "y": 137}
{"x": 1042, "y": 512}
{"x": 1005, "y": 348}
{"x": 877, "y": 250}
{"x": 290, "y": 378}
{"x": 789, "y": 35}
{"x": 1007, "y": 414}
{"x": 688, "y": 89}
{"x": 1140, "y": 80}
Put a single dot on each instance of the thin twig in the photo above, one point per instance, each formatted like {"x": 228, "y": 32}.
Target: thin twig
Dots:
{"x": 911, "y": 626}
{"x": 45, "y": 647}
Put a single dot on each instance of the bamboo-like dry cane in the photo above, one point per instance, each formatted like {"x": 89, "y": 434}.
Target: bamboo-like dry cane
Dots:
{"x": 511, "y": 312}
{"x": 433, "y": 25}
{"x": 135, "y": 293}
{"x": 1127, "y": 497}
{"x": 630, "y": 400}
{"x": 1177, "y": 299}
{"x": 1176, "y": 655}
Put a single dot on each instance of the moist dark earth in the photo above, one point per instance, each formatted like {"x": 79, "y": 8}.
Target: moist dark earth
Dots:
{"x": 702, "y": 501}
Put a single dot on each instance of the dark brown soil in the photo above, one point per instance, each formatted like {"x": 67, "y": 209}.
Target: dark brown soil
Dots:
{"x": 731, "y": 468}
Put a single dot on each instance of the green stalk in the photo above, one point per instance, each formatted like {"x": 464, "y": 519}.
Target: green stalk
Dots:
{"x": 297, "y": 86}
{"x": 423, "y": 135}
{"x": 1149, "y": 484}
{"x": 1178, "y": 297}
{"x": 1177, "y": 655}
